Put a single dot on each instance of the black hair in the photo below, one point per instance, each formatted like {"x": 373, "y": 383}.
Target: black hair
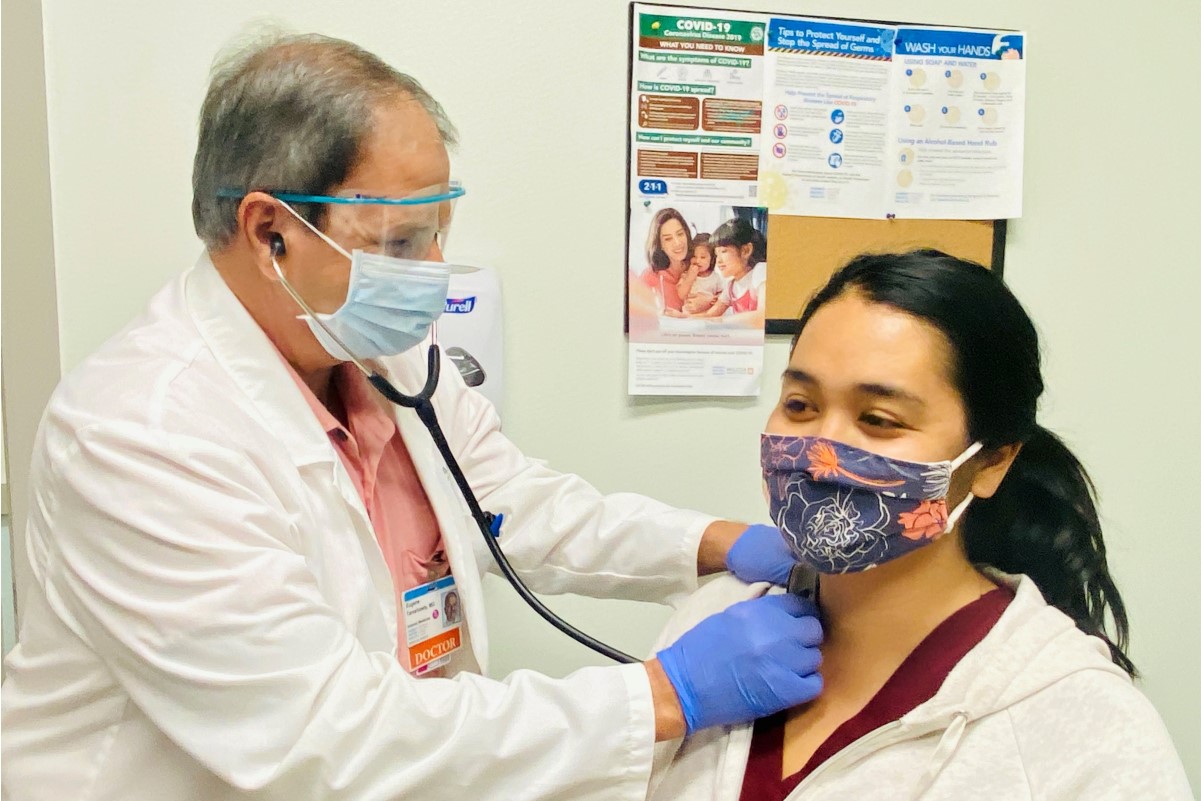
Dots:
{"x": 1042, "y": 521}
{"x": 738, "y": 232}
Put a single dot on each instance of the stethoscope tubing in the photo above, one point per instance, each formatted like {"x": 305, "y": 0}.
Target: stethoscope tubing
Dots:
{"x": 422, "y": 404}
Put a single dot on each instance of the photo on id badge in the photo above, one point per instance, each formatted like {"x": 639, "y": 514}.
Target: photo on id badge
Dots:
{"x": 697, "y": 271}
{"x": 433, "y": 617}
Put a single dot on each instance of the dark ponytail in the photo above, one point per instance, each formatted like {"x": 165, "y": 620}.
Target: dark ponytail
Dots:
{"x": 1042, "y": 521}
{"x": 1045, "y": 514}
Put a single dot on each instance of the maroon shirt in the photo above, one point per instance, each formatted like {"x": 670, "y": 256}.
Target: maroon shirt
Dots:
{"x": 916, "y": 681}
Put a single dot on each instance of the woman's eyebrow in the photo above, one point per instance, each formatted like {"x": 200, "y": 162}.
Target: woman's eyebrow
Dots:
{"x": 799, "y": 376}
{"x": 874, "y": 389}
{"x": 889, "y": 392}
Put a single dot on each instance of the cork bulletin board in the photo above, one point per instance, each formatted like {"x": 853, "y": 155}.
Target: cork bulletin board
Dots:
{"x": 803, "y": 252}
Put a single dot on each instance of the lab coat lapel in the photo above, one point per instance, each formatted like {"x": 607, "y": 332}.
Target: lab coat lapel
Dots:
{"x": 450, "y": 509}
{"x": 245, "y": 352}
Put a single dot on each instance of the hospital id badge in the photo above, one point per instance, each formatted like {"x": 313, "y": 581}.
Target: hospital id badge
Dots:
{"x": 433, "y": 624}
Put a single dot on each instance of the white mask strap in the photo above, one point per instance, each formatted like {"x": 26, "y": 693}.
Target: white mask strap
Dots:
{"x": 313, "y": 228}
{"x": 312, "y": 315}
{"x": 971, "y": 451}
{"x": 957, "y": 512}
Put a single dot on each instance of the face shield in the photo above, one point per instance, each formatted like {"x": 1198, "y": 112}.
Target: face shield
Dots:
{"x": 398, "y": 280}
{"x": 414, "y": 227}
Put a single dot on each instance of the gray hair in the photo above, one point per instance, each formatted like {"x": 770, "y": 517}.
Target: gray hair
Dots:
{"x": 289, "y": 113}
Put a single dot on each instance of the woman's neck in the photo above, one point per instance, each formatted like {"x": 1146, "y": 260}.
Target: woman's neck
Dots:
{"x": 873, "y": 621}
{"x": 884, "y": 613}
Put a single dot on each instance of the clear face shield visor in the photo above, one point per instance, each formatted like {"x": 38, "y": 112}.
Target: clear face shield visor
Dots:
{"x": 414, "y": 227}
{"x": 397, "y": 282}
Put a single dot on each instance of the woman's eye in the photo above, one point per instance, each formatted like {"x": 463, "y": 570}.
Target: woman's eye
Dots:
{"x": 797, "y": 406}
{"x": 876, "y": 421}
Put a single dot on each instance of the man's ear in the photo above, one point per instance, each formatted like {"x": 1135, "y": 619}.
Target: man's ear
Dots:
{"x": 995, "y": 464}
{"x": 260, "y": 228}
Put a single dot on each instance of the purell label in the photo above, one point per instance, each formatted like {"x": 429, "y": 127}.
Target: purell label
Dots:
{"x": 460, "y": 305}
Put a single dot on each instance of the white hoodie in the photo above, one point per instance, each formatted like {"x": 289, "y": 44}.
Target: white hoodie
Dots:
{"x": 1035, "y": 711}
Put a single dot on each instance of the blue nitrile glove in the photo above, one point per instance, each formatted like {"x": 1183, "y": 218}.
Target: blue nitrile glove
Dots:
{"x": 760, "y": 554}
{"x": 754, "y": 659}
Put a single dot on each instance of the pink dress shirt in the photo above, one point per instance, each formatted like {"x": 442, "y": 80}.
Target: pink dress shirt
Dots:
{"x": 378, "y": 462}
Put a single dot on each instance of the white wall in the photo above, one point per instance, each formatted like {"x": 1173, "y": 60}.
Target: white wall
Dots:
{"x": 30, "y": 325}
{"x": 1105, "y": 257}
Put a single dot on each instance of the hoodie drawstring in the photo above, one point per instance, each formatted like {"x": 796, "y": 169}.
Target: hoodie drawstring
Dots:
{"x": 946, "y": 748}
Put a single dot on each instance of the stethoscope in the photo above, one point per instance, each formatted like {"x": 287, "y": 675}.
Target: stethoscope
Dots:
{"x": 422, "y": 404}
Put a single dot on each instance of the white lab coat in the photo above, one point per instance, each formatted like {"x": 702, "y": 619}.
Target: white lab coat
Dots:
{"x": 211, "y": 617}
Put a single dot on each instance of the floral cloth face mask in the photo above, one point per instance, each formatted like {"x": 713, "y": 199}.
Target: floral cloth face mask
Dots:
{"x": 843, "y": 510}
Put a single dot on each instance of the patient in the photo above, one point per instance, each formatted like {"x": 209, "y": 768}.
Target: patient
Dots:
{"x": 963, "y": 581}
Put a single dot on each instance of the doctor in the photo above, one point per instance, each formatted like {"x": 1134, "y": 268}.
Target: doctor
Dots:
{"x": 240, "y": 551}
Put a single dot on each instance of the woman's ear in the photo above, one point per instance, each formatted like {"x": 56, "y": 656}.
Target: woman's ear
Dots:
{"x": 995, "y": 464}
{"x": 746, "y": 251}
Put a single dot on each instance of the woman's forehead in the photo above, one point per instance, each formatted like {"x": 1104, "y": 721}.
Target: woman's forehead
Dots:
{"x": 852, "y": 341}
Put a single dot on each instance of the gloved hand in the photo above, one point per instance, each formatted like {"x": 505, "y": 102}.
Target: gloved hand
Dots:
{"x": 754, "y": 659}
{"x": 760, "y": 554}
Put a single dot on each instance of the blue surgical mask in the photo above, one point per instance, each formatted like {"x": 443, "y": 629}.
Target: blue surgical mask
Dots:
{"x": 389, "y": 308}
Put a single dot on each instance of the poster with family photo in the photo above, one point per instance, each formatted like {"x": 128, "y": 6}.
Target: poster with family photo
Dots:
{"x": 697, "y": 298}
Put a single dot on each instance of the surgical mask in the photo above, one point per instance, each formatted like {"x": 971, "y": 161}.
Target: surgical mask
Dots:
{"x": 389, "y": 308}
{"x": 844, "y": 510}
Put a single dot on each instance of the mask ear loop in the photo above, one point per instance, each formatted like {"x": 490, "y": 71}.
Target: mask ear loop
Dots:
{"x": 308, "y": 310}
{"x": 956, "y": 463}
{"x": 312, "y": 315}
{"x": 325, "y": 238}
{"x": 957, "y": 512}
{"x": 971, "y": 451}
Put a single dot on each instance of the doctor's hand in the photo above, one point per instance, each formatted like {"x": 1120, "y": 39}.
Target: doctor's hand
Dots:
{"x": 753, "y": 553}
{"x": 761, "y": 554}
{"x": 754, "y": 659}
